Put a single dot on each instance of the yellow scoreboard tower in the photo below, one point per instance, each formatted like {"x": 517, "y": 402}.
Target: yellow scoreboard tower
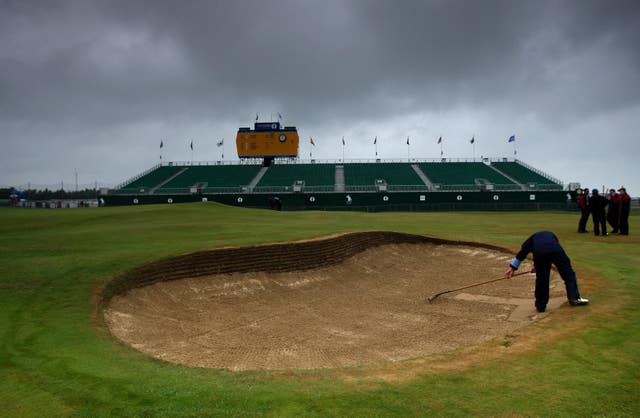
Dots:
{"x": 267, "y": 140}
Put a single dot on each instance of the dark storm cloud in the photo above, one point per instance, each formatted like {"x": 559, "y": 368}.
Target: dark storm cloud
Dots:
{"x": 77, "y": 76}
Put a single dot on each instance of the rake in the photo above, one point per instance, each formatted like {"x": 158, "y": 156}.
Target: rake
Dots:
{"x": 431, "y": 298}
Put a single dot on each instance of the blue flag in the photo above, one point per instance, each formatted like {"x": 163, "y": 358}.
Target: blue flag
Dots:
{"x": 161, "y": 144}
{"x": 512, "y": 138}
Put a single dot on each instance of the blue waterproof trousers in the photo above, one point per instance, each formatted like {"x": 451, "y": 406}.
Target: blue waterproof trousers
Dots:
{"x": 542, "y": 263}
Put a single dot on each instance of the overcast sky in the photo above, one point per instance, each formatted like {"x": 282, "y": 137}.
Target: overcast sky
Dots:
{"x": 94, "y": 86}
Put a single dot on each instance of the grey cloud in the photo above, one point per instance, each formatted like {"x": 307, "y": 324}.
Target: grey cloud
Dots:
{"x": 73, "y": 73}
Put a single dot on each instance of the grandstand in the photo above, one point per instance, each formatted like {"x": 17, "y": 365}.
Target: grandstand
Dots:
{"x": 317, "y": 177}
{"x": 379, "y": 185}
{"x": 524, "y": 174}
{"x": 228, "y": 178}
{"x": 146, "y": 181}
{"x": 466, "y": 176}
{"x": 395, "y": 176}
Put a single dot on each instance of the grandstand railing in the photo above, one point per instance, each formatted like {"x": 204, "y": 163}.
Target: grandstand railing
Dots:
{"x": 348, "y": 189}
{"x": 134, "y": 178}
{"x": 540, "y": 172}
{"x": 258, "y": 161}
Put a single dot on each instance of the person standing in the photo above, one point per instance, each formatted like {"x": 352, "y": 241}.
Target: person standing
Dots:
{"x": 583, "y": 203}
{"x": 597, "y": 205}
{"x": 625, "y": 208}
{"x": 547, "y": 250}
{"x": 613, "y": 213}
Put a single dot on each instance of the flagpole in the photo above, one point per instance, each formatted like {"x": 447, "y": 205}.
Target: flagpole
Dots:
{"x": 408, "y": 150}
{"x": 474, "y": 146}
{"x": 375, "y": 143}
{"x": 343, "y": 149}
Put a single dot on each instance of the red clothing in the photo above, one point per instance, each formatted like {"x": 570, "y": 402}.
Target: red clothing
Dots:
{"x": 624, "y": 198}
{"x": 582, "y": 202}
{"x": 615, "y": 199}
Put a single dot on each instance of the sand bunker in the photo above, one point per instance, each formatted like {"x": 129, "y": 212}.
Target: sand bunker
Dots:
{"x": 368, "y": 308}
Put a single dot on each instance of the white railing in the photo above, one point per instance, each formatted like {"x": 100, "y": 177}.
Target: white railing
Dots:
{"x": 279, "y": 161}
{"x": 134, "y": 178}
{"x": 539, "y": 172}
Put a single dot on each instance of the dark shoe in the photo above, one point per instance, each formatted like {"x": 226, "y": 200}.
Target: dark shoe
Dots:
{"x": 541, "y": 308}
{"x": 579, "y": 302}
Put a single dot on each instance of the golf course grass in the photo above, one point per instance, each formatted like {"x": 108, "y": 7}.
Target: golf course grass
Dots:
{"x": 58, "y": 359}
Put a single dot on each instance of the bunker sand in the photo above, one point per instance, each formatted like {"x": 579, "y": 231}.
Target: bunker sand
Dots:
{"x": 367, "y": 309}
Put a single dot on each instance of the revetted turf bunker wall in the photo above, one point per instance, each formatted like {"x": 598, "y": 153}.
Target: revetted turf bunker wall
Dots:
{"x": 268, "y": 258}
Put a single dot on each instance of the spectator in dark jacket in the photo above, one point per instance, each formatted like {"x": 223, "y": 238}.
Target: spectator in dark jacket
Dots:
{"x": 546, "y": 251}
{"x": 625, "y": 208}
{"x": 613, "y": 213}
{"x": 583, "y": 203}
{"x": 597, "y": 205}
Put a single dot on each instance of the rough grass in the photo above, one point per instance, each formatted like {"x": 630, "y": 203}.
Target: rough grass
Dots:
{"x": 55, "y": 360}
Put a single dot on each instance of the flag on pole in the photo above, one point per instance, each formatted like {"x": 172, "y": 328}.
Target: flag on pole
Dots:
{"x": 375, "y": 140}
{"x": 312, "y": 143}
{"x": 256, "y": 117}
{"x": 440, "y": 140}
{"x": 220, "y": 143}
{"x": 408, "y": 141}
{"x": 191, "y": 145}
{"x": 343, "y": 143}
{"x": 512, "y": 138}
{"x": 279, "y": 116}
{"x": 161, "y": 144}
{"x": 473, "y": 140}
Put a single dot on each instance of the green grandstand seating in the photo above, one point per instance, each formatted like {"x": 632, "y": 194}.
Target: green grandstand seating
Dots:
{"x": 448, "y": 175}
{"x": 366, "y": 174}
{"x": 287, "y": 174}
{"x": 454, "y": 173}
{"x": 214, "y": 176}
{"x": 524, "y": 175}
{"x": 153, "y": 178}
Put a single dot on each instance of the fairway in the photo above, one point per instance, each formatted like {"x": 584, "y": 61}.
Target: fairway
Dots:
{"x": 58, "y": 357}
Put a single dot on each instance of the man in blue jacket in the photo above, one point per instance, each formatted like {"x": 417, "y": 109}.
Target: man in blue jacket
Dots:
{"x": 546, "y": 250}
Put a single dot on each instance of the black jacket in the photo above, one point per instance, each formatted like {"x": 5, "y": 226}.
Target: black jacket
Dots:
{"x": 597, "y": 204}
